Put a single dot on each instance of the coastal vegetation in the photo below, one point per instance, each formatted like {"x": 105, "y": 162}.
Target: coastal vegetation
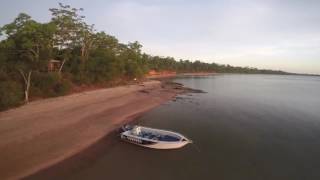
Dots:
{"x": 39, "y": 60}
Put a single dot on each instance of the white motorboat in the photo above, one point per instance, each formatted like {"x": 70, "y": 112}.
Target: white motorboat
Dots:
{"x": 153, "y": 138}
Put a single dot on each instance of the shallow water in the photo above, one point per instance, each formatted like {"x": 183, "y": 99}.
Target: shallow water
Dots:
{"x": 245, "y": 127}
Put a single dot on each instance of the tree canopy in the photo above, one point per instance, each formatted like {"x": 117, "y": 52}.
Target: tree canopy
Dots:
{"x": 86, "y": 57}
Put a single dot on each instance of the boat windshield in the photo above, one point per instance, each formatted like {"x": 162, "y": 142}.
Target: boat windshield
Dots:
{"x": 158, "y": 137}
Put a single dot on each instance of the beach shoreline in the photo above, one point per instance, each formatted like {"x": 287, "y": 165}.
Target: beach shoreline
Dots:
{"x": 44, "y": 133}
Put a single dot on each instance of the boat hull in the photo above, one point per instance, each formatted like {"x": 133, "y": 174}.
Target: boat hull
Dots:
{"x": 155, "y": 144}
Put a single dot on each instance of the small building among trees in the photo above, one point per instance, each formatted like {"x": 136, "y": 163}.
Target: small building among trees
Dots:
{"x": 54, "y": 65}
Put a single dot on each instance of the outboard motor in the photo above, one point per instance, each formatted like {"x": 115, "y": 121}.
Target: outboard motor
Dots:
{"x": 126, "y": 127}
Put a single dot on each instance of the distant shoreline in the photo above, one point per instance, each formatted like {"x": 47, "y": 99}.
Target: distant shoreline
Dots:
{"x": 172, "y": 75}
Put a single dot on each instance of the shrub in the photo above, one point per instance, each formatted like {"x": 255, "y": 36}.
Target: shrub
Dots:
{"x": 11, "y": 94}
{"x": 43, "y": 83}
{"x": 62, "y": 87}
{"x": 49, "y": 85}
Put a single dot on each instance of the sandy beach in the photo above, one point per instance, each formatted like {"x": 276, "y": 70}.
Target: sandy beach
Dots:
{"x": 42, "y": 133}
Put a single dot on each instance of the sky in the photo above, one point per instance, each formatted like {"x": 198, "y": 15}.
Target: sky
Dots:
{"x": 270, "y": 34}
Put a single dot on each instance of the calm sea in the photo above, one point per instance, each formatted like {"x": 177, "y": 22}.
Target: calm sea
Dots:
{"x": 246, "y": 127}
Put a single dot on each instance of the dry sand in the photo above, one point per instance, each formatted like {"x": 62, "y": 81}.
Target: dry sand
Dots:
{"x": 45, "y": 132}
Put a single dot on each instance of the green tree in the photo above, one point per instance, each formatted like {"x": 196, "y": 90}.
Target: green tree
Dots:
{"x": 69, "y": 30}
{"x": 26, "y": 40}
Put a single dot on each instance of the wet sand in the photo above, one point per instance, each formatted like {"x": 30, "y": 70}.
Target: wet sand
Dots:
{"x": 45, "y": 132}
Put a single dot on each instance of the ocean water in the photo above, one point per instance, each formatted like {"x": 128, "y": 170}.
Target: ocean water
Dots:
{"x": 246, "y": 127}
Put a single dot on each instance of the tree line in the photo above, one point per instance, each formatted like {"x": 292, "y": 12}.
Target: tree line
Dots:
{"x": 85, "y": 56}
